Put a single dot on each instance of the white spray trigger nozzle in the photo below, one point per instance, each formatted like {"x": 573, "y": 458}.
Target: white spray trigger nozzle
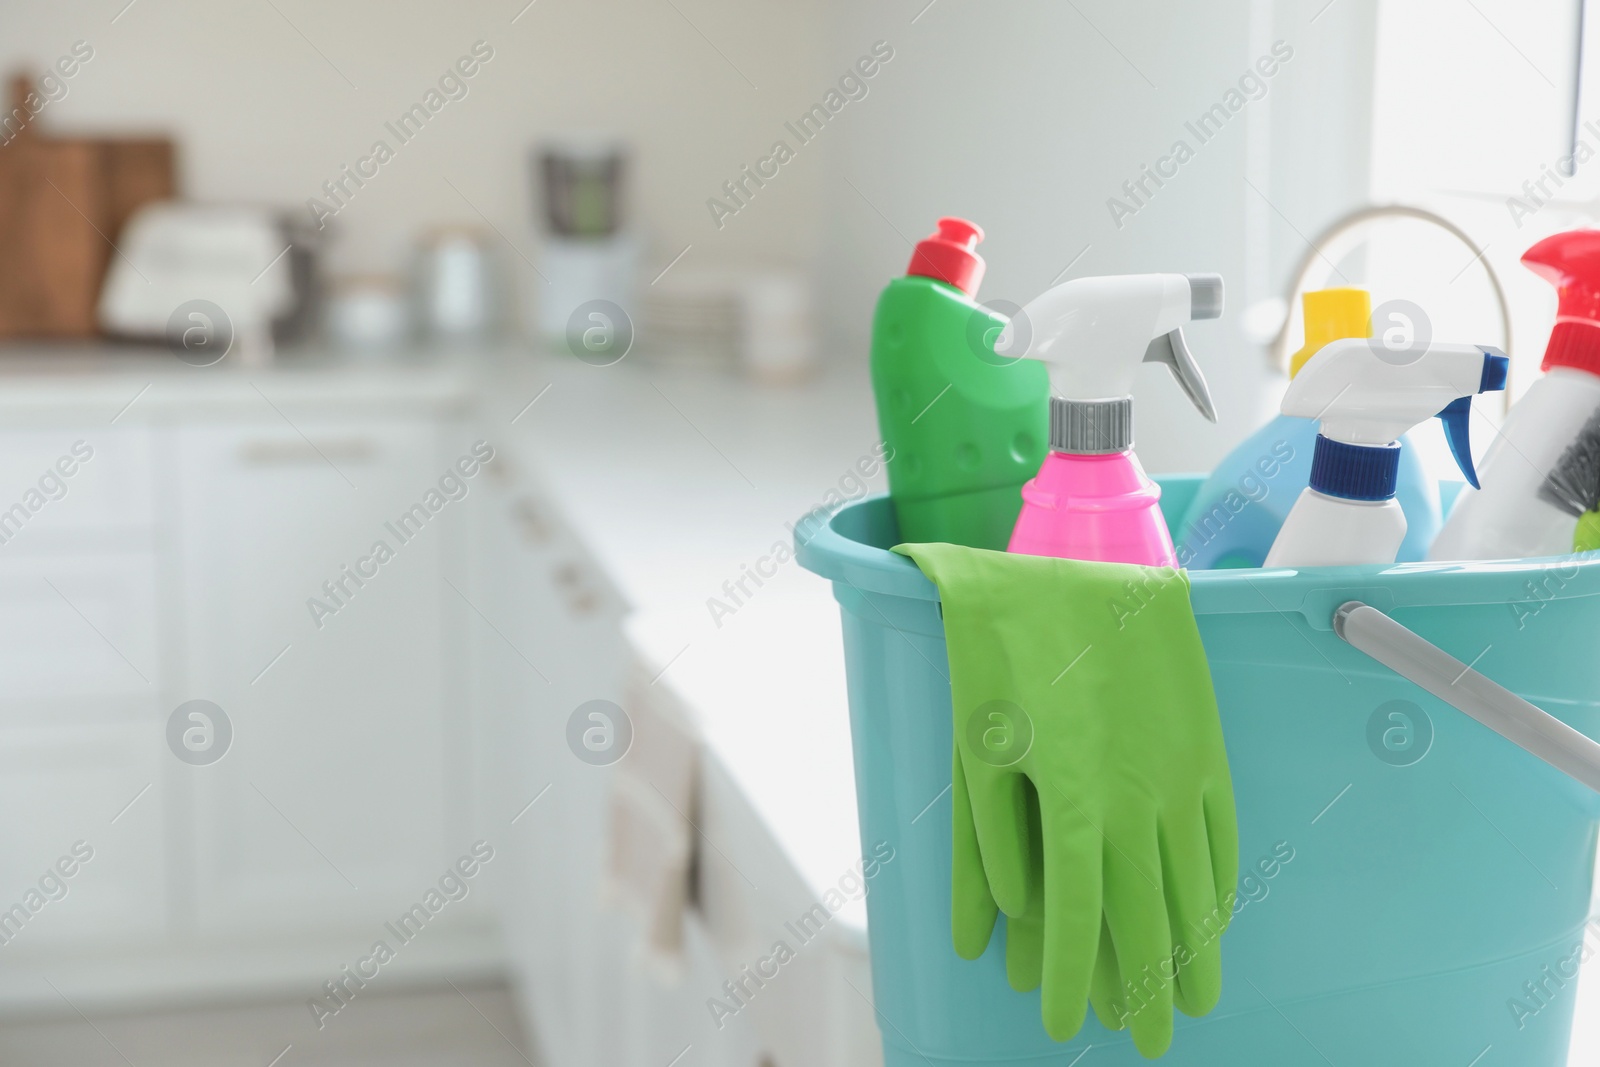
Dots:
{"x": 1172, "y": 350}
{"x": 1094, "y": 333}
{"x": 1365, "y": 394}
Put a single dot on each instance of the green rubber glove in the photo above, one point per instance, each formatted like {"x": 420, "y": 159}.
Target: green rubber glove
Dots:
{"x": 1092, "y": 764}
{"x": 973, "y": 913}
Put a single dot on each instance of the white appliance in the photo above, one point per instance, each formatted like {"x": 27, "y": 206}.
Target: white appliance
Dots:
{"x": 210, "y": 279}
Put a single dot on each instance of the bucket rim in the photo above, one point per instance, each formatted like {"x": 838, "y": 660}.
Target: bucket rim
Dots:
{"x": 825, "y": 546}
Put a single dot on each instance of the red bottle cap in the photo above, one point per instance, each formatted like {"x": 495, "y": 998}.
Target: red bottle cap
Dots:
{"x": 951, "y": 256}
{"x": 1571, "y": 263}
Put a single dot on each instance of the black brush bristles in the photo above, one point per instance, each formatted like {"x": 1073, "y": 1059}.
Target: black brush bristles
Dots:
{"x": 1574, "y": 484}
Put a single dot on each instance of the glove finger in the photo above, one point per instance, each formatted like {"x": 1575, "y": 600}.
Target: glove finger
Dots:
{"x": 1072, "y": 919}
{"x": 1222, "y": 836}
{"x": 1105, "y": 988}
{"x": 1025, "y": 950}
{"x": 1136, "y": 910}
{"x": 1197, "y": 921}
{"x": 972, "y": 907}
{"x": 999, "y": 802}
{"x": 1025, "y": 933}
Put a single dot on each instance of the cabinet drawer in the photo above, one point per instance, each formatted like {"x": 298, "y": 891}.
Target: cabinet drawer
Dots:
{"x": 64, "y": 488}
{"x": 75, "y": 627}
{"x": 79, "y": 784}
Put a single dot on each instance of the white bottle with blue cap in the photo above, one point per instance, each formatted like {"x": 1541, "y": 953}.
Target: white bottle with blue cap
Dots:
{"x": 1366, "y": 396}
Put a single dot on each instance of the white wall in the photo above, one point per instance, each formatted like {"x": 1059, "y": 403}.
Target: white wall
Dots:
{"x": 1028, "y": 117}
{"x": 260, "y": 115}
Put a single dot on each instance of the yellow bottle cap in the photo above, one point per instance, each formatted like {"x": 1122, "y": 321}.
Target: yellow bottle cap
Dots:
{"x": 1331, "y": 315}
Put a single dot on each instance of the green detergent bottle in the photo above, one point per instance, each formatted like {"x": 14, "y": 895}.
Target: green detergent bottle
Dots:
{"x": 964, "y": 428}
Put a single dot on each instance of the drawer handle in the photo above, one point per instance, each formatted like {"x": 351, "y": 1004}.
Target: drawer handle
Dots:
{"x": 1419, "y": 660}
{"x": 267, "y": 453}
{"x": 536, "y": 529}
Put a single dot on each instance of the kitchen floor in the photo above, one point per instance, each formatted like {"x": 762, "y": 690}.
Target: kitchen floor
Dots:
{"x": 467, "y": 1025}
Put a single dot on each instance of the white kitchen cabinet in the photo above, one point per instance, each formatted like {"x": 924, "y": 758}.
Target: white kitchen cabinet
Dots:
{"x": 77, "y": 633}
{"x": 69, "y": 783}
{"x": 94, "y": 485}
{"x": 80, "y": 712}
{"x": 588, "y": 995}
{"x": 330, "y": 809}
{"x": 428, "y": 711}
{"x": 173, "y": 564}
{"x": 558, "y": 644}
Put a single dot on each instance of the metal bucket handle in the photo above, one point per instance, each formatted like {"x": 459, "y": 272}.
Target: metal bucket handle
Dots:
{"x": 1419, "y": 660}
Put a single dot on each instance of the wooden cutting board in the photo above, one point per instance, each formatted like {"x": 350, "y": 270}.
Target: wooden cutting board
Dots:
{"x": 63, "y": 204}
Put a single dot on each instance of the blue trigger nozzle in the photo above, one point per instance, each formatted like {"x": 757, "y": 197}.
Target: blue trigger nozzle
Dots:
{"x": 1455, "y": 417}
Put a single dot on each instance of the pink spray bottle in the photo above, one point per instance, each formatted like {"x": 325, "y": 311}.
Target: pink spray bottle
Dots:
{"x": 1091, "y": 499}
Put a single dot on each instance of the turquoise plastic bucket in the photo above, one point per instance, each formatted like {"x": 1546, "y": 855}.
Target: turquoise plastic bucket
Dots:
{"x": 1438, "y": 878}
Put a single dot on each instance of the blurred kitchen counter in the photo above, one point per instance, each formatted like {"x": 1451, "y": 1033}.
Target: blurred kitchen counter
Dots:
{"x": 681, "y": 483}
{"x": 129, "y": 382}
{"x": 673, "y": 491}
